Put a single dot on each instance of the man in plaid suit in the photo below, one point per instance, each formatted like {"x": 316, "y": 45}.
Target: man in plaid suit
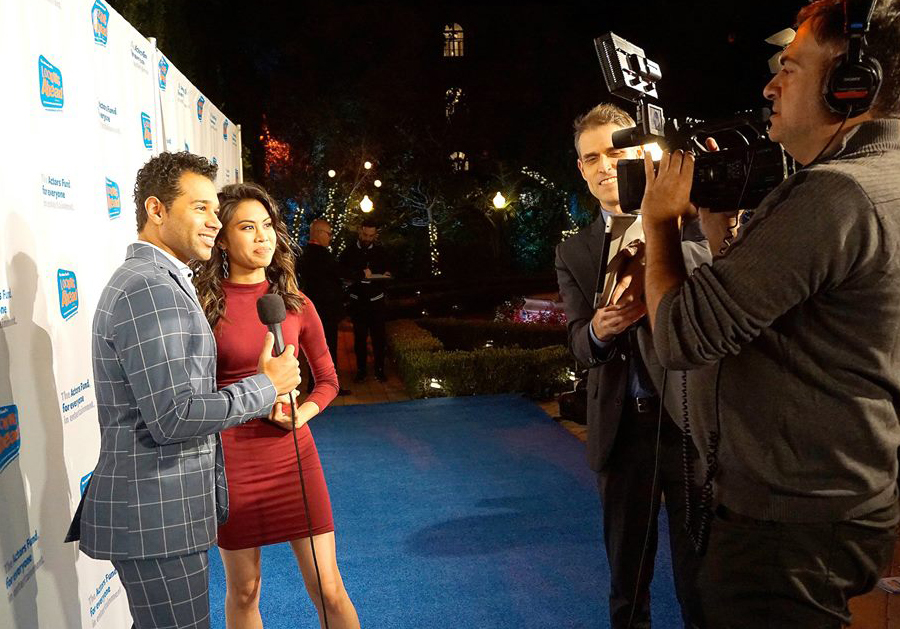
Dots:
{"x": 158, "y": 491}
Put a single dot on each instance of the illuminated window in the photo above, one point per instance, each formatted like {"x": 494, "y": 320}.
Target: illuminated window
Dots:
{"x": 453, "y": 40}
{"x": 454, "y": 96}
{"x": 459, "y": 160}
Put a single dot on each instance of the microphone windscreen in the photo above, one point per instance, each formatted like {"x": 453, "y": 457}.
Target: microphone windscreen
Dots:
{"x": 270, "y": 309}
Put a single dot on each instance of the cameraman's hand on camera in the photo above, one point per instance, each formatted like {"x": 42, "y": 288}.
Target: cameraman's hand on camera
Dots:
{"x": 667, "y": 196}
{"x": 719, "y": 228}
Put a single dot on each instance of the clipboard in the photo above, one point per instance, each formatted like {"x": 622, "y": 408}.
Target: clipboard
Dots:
{"x": 621, "y": 231}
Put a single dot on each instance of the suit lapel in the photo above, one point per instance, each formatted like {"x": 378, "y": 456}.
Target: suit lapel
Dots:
{"x": 595, "y": 243}
{"x": 149, "y": 252}
{"x": 594, "y": 251}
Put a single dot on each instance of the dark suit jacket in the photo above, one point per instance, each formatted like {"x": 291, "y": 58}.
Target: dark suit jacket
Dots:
{"x": 322, "y": 283}
{"x": 354, "y": 260}
{"x": 577, "y": 265}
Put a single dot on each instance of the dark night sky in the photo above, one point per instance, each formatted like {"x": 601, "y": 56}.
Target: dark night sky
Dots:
{"x": 529, "y": 68}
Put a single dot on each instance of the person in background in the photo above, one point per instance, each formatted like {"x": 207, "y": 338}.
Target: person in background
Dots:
{"x": 323, "y": 284}
{"x": 362, "y": 260}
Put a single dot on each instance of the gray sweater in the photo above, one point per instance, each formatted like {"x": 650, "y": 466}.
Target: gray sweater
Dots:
{"x": 798, "y": 326}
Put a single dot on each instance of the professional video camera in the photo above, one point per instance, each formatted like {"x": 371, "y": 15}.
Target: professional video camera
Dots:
{"x": 737, "y": 177}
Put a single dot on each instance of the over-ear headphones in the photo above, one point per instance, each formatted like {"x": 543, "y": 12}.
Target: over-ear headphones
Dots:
{"x": 853, "y": 82}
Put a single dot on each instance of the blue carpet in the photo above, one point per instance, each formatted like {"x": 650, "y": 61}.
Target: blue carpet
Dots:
{"x": 476, "y": 512}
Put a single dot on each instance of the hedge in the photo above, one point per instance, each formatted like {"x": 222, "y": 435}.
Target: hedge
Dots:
{"x": 422, "y": 360}
{"x": 468, "y": 335}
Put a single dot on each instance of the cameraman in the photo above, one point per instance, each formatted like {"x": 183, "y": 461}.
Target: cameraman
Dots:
{"x": 623, "y": 404}
{"x": 800, "y": 319}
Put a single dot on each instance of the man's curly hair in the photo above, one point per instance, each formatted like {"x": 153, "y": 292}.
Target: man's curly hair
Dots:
{"x": 160, "y": 177}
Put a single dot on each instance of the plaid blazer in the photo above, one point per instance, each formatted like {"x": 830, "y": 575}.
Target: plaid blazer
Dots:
{"x": 159, "y": 487}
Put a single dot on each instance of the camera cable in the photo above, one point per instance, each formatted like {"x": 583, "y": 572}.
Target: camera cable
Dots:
{"x": 637, "y": 584}
{"x": 831, "y": 139}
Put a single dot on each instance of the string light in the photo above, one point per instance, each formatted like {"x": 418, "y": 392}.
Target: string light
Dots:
{"x": 433, "y": 250}
{"x": 538, "y": 177}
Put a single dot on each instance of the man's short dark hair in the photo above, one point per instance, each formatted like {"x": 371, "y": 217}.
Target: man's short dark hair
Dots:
{"x": 882, "y": 43}
{"x": 160, "y": 177}
{"x": 369, "y": 222}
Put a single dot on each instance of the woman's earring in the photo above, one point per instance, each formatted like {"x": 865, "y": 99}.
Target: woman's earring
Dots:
{"x": 224, "y": 264}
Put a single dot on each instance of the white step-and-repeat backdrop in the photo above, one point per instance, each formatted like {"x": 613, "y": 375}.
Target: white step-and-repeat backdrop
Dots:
{"x": 86, "y": 101}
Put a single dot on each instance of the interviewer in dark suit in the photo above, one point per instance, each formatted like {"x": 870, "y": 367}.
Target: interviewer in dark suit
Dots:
{"x": 158, "y": 490}
{"x": 623, "y": 404}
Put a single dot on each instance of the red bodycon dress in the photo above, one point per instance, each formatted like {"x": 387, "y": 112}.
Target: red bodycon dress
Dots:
{"x": 264, "y": 497}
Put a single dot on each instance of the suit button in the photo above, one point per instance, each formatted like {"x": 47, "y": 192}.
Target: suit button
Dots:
{"x": 622, "y": 356}
{"x": 618, "y": 401}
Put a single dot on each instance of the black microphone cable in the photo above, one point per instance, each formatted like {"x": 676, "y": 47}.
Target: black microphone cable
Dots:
{"x": 312, "y": 545}
{"x": 271, "y": 310}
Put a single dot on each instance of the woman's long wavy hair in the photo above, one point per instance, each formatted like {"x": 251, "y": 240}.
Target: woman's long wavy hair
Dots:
{"x": 208, "y": 275}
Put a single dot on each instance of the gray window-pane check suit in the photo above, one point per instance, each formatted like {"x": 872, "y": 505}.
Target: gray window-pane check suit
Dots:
{"x": 159, "y": 485}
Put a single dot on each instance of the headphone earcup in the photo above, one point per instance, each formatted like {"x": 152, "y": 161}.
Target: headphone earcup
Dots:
{"x": 851, "y": 87}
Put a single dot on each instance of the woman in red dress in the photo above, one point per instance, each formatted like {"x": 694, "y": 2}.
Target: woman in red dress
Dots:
{"x": 266, "y": 503}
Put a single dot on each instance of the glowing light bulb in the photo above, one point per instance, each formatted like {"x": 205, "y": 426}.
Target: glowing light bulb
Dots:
{"x": 499, "y": 201}
{"x": 655, "y": 152}
{"x": 377, "y": 183}
{"x": 367, "y": 165}
{"x": 366, "y": 204}
{"x": 332, "y": 173}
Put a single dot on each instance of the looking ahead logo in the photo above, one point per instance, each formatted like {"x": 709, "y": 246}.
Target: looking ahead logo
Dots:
{"x": 100, "y": 19}
{"x": 225, "y": 130}
{"x": 163, "y": 72}
{"x": 68, "y": 293}
{"x": 200, "y": 102}
{"x": 10, "y": 439}
{"x": 148, "y": 132}
{"x": 51, "y": 84}
{"x": 113, "y": 201}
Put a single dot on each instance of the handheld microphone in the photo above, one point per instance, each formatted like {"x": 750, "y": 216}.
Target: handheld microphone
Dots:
{"x": 271, "y": 311}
